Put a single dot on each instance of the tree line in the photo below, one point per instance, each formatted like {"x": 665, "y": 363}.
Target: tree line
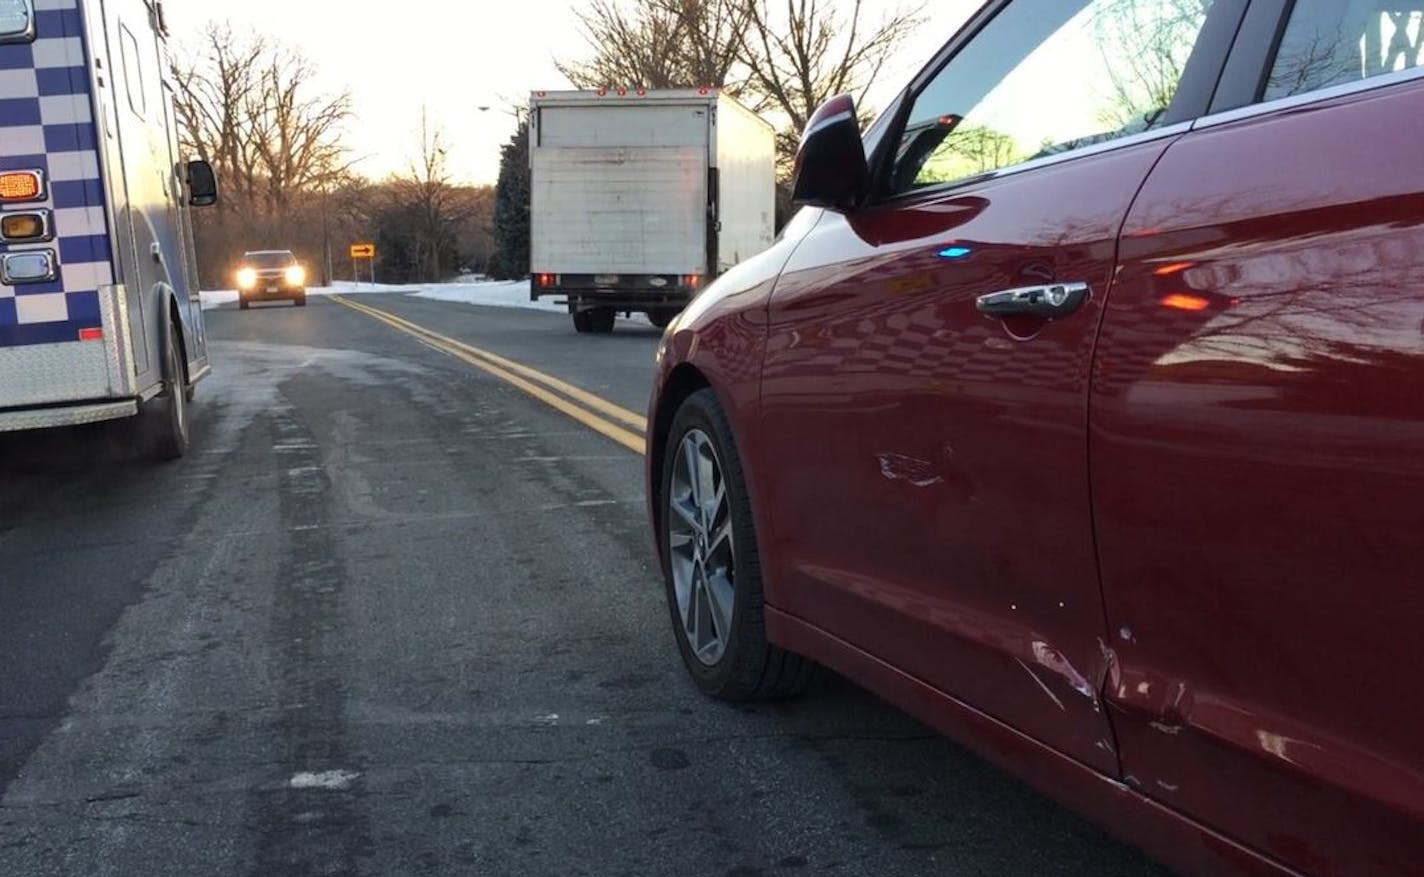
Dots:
{"x": 253, "y": 108}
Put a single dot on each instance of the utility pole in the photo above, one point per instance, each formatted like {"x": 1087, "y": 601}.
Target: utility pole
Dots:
{"x": 326, "y": 233}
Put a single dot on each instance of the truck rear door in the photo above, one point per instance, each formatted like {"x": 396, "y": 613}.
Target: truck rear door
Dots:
{"x": 620, "y": 189}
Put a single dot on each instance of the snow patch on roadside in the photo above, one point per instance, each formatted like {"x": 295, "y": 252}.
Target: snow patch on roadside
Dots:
{"x": 488, "y": 294}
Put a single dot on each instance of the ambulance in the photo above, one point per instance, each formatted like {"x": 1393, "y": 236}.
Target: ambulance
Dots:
{"x": 99, "y": 311}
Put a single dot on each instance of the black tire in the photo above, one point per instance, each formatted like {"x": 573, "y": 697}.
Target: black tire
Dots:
{"x": 166, "y": 415}
{"x": 583, "y": 322}
{"x": 601, "y": 320}
{"x": 749, "y": 668}
{"x": 301, "y": 299}
{"x": 244, "y": 304}
{"x": 661, "y": 317}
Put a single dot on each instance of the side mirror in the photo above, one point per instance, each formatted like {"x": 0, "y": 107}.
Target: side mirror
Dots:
{"x": 202, "y": 184}
{"x": 831, "y": 169}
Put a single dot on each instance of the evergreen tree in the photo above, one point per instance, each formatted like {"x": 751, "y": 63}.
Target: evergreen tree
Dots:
{"x": 511, "y": 208}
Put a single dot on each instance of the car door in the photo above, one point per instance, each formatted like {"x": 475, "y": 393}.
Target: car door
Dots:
{"x": 1258, "y": 450}
{"x": 930, "y": 499}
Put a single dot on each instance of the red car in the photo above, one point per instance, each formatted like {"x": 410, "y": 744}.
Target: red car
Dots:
{"x": 1080, "y": 412}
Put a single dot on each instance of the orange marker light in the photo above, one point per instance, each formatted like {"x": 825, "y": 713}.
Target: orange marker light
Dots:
{"x": 21, "y": 186}
{"x": 1182, "y": 302}
{"x": 1174, "y": 268}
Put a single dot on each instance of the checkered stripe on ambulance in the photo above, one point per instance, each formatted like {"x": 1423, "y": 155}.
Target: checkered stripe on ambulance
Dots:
{"x": 53, "y": 234}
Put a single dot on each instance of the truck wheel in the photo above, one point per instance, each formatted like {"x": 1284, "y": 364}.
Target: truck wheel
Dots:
{"x": 244, "y": 304}
{"x": 166, "y": 415}
{"x": 301, "y": 300}
{"x": 661, "y": 317}
{"x": 601, "y": 320}
{"x": 583, "y": 322}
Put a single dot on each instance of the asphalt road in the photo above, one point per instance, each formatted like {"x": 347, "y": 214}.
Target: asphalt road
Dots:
{"x": 392, "y": 616}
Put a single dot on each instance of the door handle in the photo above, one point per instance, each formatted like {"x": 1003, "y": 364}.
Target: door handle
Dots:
{"x": 1050, "y": 301}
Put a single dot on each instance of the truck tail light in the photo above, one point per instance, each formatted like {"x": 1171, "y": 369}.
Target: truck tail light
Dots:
{"x": 547, "y": 280}
{"x": 91, "y": 334}
{"x": 16, "y": 186}
{"x": 692, "y": 280}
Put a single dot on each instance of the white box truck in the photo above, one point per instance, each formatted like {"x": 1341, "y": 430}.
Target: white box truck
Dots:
{"x": 638, "y": 198}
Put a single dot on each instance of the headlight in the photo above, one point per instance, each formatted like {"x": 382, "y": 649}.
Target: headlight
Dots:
{"x": 246, "y": 278}
{"x": 296, "y": 275}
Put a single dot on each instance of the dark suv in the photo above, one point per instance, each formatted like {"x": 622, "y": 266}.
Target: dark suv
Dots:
{"x": 271, "y": 275}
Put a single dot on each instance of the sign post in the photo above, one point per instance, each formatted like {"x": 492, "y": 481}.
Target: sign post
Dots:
{"x": 360, "y": 252}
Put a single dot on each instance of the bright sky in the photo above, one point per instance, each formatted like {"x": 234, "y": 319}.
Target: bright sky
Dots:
{"x": 456, "y": 57}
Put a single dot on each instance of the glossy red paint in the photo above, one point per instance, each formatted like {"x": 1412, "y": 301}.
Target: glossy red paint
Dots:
{"x": 952, "y": 446}
{"x": 719, "y": 341}
{"x": 1258, "y": 471}
{"x": 1186, "y": 522}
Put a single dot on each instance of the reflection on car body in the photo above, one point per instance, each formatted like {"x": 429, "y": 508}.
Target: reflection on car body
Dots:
{"x": 1155, "y": 546}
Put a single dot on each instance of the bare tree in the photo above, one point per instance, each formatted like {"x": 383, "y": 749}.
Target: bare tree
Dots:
{"x": 295, "y": 129}
{"x": 429, "y": 212}
{"x": 251, "y": 107}
{"x": 712, "y": 31}
{"x": 641, "y": 44}
{"x": 1160, "y": 35}
{"x": 799, "y": 53}
{"x": 212, "y": 100}
{"x": 782, "y": 56}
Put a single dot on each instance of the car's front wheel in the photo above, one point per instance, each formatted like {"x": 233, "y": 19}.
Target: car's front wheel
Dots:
{"x": 713, "y": 570}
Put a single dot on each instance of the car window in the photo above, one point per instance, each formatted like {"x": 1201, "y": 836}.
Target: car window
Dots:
{"x": 1041, "y": 79}
{"x": 1333, "y": 42}
{"x": 269, "y": 259}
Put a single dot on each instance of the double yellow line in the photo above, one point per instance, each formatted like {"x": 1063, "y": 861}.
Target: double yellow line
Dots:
{"x": 603, "y": 417}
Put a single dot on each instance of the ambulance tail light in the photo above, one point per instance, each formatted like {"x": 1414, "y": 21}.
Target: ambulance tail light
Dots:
{"x": 30, "y": 226}
{"x": 20, "y": 186}
{"x": 17, "y": 21}
{"x": 28, "y": 266}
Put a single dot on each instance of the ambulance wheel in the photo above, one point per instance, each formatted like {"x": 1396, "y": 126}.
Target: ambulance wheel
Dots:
{"x": 166, "y": 414}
